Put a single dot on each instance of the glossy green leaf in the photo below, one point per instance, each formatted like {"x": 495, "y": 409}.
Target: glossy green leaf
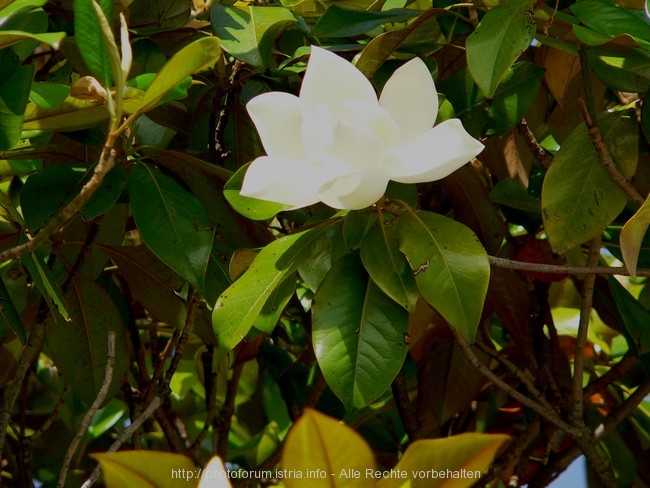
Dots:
{"x": 450, "y": 266}
{"x": 42, "y": 276}
{"x": 626, "y": 71}
{"x": 502, "y": 35}
{"x": 46, "y": 192}
{"x": 510, "y": 193}
{"x": 90, "y": 40}
{"x": 79, "y": 347}
{"x": 340, "y": 21}
{"x": 248, "y": 33}
{"x": 512, "y": 99}
{"x": 272, "y": 309}
{"x": 579, "y": 198}
{"x": 251, "y": 208}
{"x": 610, "y": 18}
{"x": 15, "y": 83}
{"x": 240, "y": 305}
{"x": 147, "y": 469}
{"x": 634, "y": 316}
{"x": 143, "y": 81}
{"x": 9, "y": 317}
{"x": 387, "y": 266}
{"x": 472, "y": 453}
{"x": 48, "y": 95}
{"x": 192, "y": 58}
{"x": 380, "y": 48}
{"x": 107, "y": 417}
{"x": 318, "y": 443}
{"x": 171, "y": 221}
{"x": 632, "y": 237}
{"x": 9, "y": 38}
{"x": 358, "y": 334}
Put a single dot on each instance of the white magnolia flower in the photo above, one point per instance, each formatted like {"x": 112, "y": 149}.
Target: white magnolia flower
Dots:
{"x": 338, "y": 144}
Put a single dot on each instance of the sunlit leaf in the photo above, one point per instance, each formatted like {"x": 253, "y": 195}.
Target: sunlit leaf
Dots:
{"x": 239, "y": 306}
{"x": 147, "y": 469}
{"x": 327, "y": 449}
{"x": 502, "y": 35}
{"x": 358, "y": 334}
{"x": 579, "y": 198}
{"x": 15, "y": 83}
{"x": 450, "y": 266}
{"x": 387, "y": 266}
{"x": 340, "y": 21}
{"x": 632, "y": 236}
{"x": 90, "y": 40}
{"x": 9, "y": 38}
{"x": 470, "y": 454}
{"x": 192, "y": 58}
{"x": 248, "y": 33}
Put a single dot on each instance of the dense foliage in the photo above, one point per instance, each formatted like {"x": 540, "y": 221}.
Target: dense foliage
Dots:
{"x": 493, "y": 321}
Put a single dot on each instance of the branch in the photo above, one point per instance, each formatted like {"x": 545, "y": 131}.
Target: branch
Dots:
{"x": 587, "y": 294}
{"x": 106, "y": 163}
{"x": 545, "y": 413}
{"x": 125, "y": 436}
{"x": 571, "y": 270}
{"x": 404, "y": 407}
{"x": 606, "y": 157}
{"x": 103, "y": 391}
{"x": 538, "y": 151}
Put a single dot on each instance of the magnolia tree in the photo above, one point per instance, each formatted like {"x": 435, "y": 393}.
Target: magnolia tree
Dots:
{"x": 321, "y": 243}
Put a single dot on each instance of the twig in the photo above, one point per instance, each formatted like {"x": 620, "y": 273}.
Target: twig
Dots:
{"x": 538, "y": 151}
{"x": 512, "y": 454}
{"x": 518, "y": 373}
{"x": 53, "y": 416}
{"x": 624, "y": 409}
{"x": 105, "y": 164}
{"x": 605, "y": 156}
{"x": 615, "y": 373}
{"x": 545, "y": 413}
{"x": 571, "y": 270}
{"x": 30, "y": 351}
{"x": 587, "y": 294}
{"x": 225, "y": 415}
{"x": 404, "y": 407}
{"x": 103, "y": 391}
{"x": 125, "y": 436}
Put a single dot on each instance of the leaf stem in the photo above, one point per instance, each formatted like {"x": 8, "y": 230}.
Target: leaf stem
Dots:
{"x": 570, "y": 270}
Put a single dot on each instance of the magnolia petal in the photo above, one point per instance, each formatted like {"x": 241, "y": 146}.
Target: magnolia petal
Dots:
{"x": 373, "y": 117}
{"x": 355, "y": 191}
{"x": 433, "y": 155}
{"x": 331, "y": 79}
{"x": 279, "y": 180}
{"x": 278, "y": 119}
{"x": 410, "y": 96}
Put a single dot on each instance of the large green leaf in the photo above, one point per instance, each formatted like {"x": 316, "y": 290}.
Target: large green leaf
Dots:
{"x": 387, "y": 266}
{"x": 274, "y": 306}
{"x": 502, "y": 35}
{"x": 79, "y": 347}
{"x": 9, "y": 38}
{"x": 610, "y": 18}
{"x": 248, "y": 34}
{"x": 358, "y": 334}
{"x": 579, "y": 198}
{"x": 90, "y": 40}
{"x": 345, "y": 22}
{"x": 510, "y": 101}
{"x": 626, "y": 71}
{"x": 381, "y": 47}
{"x": 15, "y": 82}
{"x": 192, "y": 58}
{"x": 171, "y": 221}
{"x": 450, "y": 265}
{"x": 240, "y": 305}
{"x": 47, "y": 191}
